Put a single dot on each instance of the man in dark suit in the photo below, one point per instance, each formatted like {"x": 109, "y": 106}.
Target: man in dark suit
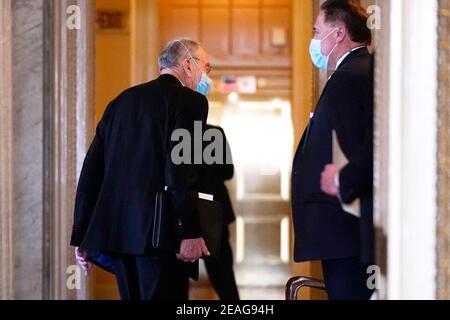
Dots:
{"x": 129, "y": 162}
{"x": 323, "y": 231}
{"x": 212, "y": 182}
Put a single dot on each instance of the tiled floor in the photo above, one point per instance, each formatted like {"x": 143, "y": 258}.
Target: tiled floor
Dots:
{"x": 274, "y": 293}
{"x": 205, "y": 292}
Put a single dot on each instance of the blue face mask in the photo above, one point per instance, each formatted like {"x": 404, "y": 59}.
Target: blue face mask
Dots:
{"x": 204, "y": 85}
{"x": 315, "y": 50}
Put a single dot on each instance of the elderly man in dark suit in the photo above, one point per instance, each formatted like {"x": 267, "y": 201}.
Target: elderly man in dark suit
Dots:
{"x": 129, "y": 162}
{"x": 323, "y": 231}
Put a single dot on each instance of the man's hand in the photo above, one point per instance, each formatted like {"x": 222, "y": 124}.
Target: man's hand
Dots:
{"x": 82, "y": 261}
{"x": 192, "y": 249}
{"x": 328, "y": 180}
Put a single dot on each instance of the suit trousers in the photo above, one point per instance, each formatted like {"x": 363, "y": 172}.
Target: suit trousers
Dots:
{"x": 150, "y": 277}
{"x": 221, "y": 272}
{"x": 346, "y": 279}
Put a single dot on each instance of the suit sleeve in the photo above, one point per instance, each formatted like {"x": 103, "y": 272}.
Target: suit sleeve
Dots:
{"x": 89, "y": 184}
{"x": 352, "y": 118}
{"x": 184, "y": 178}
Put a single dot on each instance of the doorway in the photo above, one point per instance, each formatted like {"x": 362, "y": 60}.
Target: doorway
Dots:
{"x": 251, "y": 47}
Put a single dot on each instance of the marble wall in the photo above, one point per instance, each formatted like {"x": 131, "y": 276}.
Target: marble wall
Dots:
{"x": 27, "y": 75}
{"x": 6, "y": 159}
{"x": 52, "y": 120}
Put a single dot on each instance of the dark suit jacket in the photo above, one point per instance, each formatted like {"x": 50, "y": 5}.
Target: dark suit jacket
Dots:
{"x": 214, "y": 177}
{"x": 124, "y": 168}
{"x": 322, "y": 229}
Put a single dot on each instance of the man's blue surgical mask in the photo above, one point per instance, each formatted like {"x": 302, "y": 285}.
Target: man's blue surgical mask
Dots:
{"x": 205, "y": 84}
{"x": 315, "y": 50}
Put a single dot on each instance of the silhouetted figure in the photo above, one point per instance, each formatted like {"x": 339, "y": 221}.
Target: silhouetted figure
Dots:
{"x": 213, "y": 179}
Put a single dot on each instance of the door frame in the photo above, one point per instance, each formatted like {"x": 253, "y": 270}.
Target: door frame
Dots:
{"x": 443, "y": 198}
{"x": 72, "y": 118}
{"x": 68, "y": 131}
{"x": 405, "y": 140}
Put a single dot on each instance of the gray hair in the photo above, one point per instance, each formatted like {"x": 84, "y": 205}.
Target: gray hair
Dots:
{"x": 176, "y": 51}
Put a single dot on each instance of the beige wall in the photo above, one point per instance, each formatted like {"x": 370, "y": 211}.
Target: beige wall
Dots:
{"x": 112, "y": 59}
{"x": 112, "y": 76}
{"x": 145, "y": 40}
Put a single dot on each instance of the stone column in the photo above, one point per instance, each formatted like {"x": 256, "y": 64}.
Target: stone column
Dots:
{"x": 47, "y": 72}
{"x": 6, "y": 154}
{"x": 27, "y": 76}
{"x": 69, "y": 122}
{"x": 381, "y": 136}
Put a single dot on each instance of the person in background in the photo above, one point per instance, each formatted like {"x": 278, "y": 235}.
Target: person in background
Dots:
{"x": 212, "y": 182}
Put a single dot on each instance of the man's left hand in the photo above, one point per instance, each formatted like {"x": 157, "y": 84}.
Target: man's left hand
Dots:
{"x": 80, "y": 255}
{"x": 192, "y": 249}
{"x": 328, "y": 182}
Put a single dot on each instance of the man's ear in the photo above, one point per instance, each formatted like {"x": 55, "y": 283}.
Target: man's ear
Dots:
{"x": 187, "y": 66}
{"x": 341, "y": 33}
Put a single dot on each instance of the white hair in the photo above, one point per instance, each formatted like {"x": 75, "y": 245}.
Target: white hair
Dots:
{"x": 176, "y": 51}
